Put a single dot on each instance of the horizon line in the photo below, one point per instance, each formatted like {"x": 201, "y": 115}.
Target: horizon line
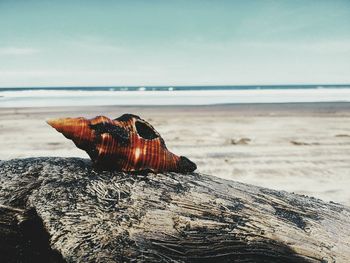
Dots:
{"x": 167, "y": 86}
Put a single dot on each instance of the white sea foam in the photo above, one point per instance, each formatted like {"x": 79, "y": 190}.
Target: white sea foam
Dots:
{"x": 43, "y": 98}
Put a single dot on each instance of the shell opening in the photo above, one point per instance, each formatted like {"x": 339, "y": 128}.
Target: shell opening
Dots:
{"x": 145, "y": 131}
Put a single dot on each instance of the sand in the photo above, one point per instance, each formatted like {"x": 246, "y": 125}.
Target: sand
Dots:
{"x": 302, "y": 148}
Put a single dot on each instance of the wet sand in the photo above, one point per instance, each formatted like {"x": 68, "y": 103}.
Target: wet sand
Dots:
{"x": 302, "y": 148}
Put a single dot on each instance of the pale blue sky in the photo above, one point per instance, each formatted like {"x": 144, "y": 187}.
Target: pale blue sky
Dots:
{"x": 89, "y": 43}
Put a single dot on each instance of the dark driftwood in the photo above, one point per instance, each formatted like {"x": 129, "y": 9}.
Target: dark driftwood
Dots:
{"x": 59, "y": 209}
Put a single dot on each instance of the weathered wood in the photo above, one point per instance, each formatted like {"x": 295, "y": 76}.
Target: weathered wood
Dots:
{"x": 60, "y": 209}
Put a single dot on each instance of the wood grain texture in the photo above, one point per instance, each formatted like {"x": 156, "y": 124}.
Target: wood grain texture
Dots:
{"x": 103, "y": 216}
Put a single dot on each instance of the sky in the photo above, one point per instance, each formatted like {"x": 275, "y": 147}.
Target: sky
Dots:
{"x": 127, "y": 43}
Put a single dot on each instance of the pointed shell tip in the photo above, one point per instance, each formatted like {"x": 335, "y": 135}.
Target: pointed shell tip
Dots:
{"x": 52, "y": 122}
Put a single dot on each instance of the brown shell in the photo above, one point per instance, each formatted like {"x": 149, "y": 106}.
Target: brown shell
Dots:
{"x": 127, "y": 143}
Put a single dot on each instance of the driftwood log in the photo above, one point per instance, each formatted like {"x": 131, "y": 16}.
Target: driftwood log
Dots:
{"x": 62, "y": 210}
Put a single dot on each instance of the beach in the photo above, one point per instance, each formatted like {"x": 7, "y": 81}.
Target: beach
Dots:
{"x": 297, "y": 147}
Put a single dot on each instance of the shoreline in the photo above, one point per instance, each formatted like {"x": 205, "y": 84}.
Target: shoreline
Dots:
{"x": 66, "y": 98}
{"x": 323, "y": 107}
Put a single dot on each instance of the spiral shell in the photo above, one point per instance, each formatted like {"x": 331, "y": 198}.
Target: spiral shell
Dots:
{"x": 127, "y": 143}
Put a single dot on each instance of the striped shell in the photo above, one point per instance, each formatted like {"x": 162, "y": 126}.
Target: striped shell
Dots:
{"x": 127, "y": 143}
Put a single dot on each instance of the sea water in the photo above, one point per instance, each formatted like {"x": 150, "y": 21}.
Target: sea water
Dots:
{"x": 168, "y": 95}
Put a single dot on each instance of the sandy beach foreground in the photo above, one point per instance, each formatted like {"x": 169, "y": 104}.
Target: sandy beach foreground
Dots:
{"x": 302, "y": 148}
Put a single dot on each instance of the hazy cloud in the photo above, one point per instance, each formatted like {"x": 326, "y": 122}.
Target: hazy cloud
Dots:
{"x": 16, "y": 51}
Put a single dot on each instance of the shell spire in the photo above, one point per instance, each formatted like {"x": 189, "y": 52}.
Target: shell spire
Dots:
{"x": 127, "y": 143}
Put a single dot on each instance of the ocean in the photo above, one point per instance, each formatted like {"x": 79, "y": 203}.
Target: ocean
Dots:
{"x": 170, "y": 95}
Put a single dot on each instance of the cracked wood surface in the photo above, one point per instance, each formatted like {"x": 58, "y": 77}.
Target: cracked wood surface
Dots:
{"x": 62, "y": 210}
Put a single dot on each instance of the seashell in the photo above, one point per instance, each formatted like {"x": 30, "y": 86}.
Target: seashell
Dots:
{"x": 127, "y": 143}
